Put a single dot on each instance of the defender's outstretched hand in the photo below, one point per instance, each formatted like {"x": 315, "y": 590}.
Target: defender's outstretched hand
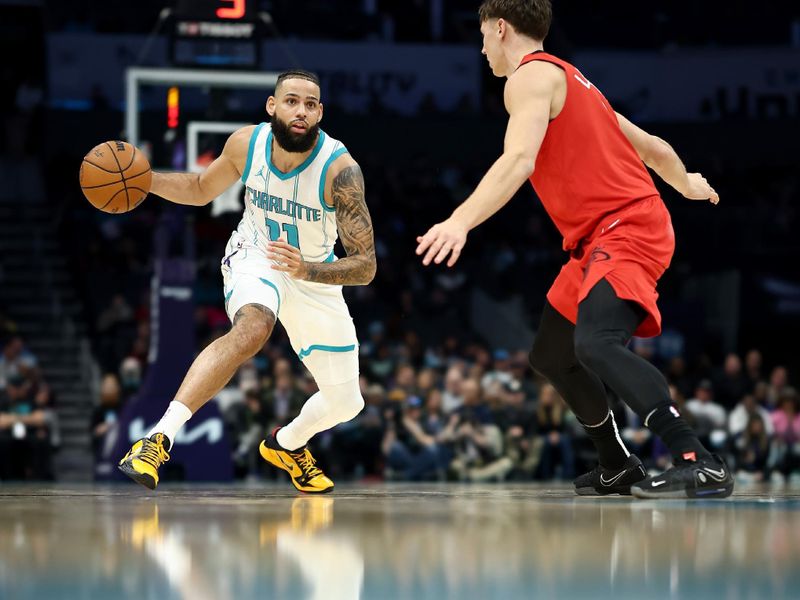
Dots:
{"x": 443, "y": 239}
{"x": 699, "y": 189}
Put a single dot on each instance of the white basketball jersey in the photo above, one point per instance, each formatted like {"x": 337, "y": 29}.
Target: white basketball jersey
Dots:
{"x": 291, "y": 204}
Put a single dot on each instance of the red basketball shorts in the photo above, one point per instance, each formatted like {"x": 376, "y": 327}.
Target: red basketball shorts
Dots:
{"x": 631, "y": 249}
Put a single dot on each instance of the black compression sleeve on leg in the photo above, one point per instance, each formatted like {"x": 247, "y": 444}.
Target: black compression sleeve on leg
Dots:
{"x": 605, "y": 325}
{"x": 553, "y": 357}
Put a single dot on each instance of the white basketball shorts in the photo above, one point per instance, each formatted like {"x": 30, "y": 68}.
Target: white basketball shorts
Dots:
{"x": 314, "y": 315}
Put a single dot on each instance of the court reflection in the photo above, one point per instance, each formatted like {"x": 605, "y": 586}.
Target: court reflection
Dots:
{"x": 393, "y": 543}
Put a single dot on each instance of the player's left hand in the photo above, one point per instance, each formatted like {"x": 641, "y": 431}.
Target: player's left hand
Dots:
{"x": 286, "y": 258}
{"x": 700, "y": 189}
{"x": 443, "y": 239}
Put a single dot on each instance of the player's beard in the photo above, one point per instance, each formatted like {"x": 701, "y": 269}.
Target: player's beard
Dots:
{"x": 291, "y": 141}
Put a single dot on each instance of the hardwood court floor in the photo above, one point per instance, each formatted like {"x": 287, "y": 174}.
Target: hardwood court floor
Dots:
{"x": 392, "y": 541}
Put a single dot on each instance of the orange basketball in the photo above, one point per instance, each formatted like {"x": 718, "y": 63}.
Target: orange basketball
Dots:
{"x": 115, "y": 177}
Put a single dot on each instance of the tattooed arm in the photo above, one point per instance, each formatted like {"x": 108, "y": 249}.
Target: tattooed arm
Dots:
{"x": 355, "y": 231}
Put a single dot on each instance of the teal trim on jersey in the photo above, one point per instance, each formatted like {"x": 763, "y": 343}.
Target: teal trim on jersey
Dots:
{"x": 294, "y": 215}
{"x": 228, "y": 297}
{"x": 305, "y": 352}
{"x": 324, "y": 174}
{"x": 296, "y": 170}
{"x": 250, "y": 149}
{"x": 330, "y": 258}
{"x": 274, "y": 287}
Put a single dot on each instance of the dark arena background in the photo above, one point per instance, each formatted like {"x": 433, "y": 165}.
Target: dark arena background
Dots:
{"x": 455, "y": 481}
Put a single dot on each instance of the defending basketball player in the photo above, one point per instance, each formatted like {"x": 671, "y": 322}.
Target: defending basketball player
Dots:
{"x": 302, "y": 191}
{"x": 587, "y": 165}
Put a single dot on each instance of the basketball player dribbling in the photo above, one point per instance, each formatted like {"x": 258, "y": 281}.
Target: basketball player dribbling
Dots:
{"x": 302, "y": 191}
{"x": 587, "y": 165}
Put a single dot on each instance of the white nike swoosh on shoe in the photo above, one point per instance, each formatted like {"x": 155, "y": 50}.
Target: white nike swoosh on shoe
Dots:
{"x": 613, "y": 480}
{"x": 718, "y": 475}
{"x": 658, "y": 483}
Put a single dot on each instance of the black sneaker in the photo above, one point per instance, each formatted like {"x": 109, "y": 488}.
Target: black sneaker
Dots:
{"x": 704, "y": 478}
{"x": 602, "y": 482}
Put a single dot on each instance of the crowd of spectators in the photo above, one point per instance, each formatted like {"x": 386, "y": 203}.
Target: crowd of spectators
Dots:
{"x": 29, "y": 432}
{"x": 461, "y": 412}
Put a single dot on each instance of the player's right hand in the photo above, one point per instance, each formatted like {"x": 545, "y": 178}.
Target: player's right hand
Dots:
{"x": 699, "y": 189}
{"x": 443, "y": 239}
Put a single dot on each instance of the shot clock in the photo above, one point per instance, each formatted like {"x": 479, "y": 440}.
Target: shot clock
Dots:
{"x": 215, "y": 34}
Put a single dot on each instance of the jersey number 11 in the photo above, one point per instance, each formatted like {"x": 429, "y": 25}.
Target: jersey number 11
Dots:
{"x": 292, "y": 236}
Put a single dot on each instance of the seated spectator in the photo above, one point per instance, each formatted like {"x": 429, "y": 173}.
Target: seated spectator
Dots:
{"x": 29, "y": 435}
{"x": 501, "y": 371}
{"x": 434, "y": 416}
{"x": 476, "y": 441}
{"x": 474, "y": 407}
{"x": 404, "y": 380}
{"x": 426, "y": 381}
{"x": 730, "y": 382}
{"x": 778, "y": 381}
{"x": 44, "y": 434}
{"x": 17, "y": 365}
{"x": 105, "y": 415}
{"x": 753, "y": 449}
{"x": 356, "y": 444}
{"x": 283, "y": 401}
{"x": 744, "y": 411}
{"x": 677, "y": 374}
{"x": 452, "y": 397}
{"x": 522, "y": 372}
{"x": 411, "y": 452}
{"x": 516, "y": 418}
{"x": 710, "y": 418}
{"x": 247, "y": 423}
{"x": 752, "y": 367}
{"x": 761, "y": 393}
{"x": 130, "y": 377}
{"x": 558, "y": 458}
{"x": 786, "y": 420}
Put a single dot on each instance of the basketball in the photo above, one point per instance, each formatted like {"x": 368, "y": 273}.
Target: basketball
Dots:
{"x": 115, "y": 177}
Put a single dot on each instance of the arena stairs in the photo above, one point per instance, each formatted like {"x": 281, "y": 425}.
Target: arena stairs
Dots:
{"x": 38, "y": 294}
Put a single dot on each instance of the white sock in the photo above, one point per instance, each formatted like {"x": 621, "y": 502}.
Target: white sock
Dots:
{"x": 176, "y": 415}
{"x": 331, "y": 405}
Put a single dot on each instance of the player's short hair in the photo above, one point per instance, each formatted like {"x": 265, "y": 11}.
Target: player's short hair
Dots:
{"x": 528, "y": 17}
{"x": 297, "y": 74}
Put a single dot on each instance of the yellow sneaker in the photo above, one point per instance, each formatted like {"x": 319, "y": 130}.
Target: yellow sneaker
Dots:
{"x": 301, "y": 466}
{"x": 142, "y": 461}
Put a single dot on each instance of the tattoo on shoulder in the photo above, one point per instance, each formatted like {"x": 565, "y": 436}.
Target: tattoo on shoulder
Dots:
{"x": 355, "y": 231}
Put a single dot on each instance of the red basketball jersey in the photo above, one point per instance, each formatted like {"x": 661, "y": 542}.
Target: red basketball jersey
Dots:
{"x": 586, "y": 168}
